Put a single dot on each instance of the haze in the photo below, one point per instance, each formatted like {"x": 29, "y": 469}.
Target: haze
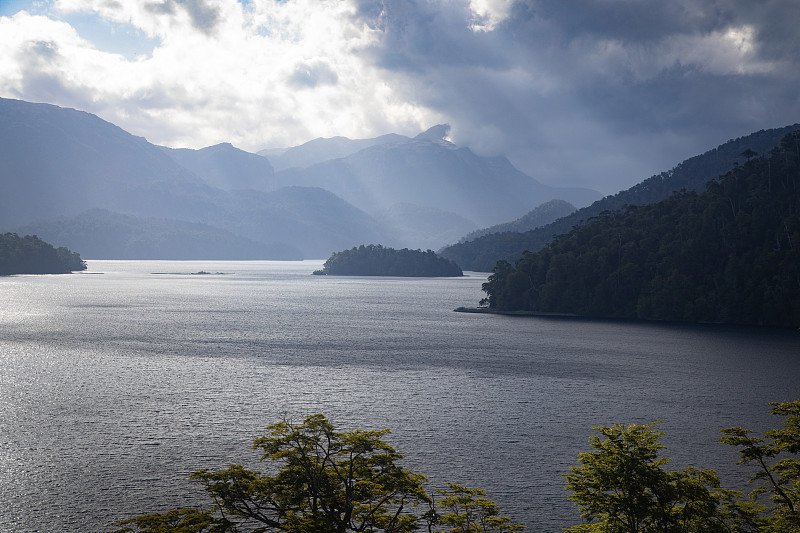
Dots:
{"x": 597, "y": 94}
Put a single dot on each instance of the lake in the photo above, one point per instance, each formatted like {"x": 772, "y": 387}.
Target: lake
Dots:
{"x": 118, "y": 382}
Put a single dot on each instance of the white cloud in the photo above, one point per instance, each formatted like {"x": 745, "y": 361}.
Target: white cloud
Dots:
{"x": 489, "y": 13}
{"x": 270, "y": 73}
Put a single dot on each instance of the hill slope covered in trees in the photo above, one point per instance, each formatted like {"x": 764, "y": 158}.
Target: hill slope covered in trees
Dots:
{"x": 729, "y": 255}
{"x": 31, "y": 255}
{"x": 692, "y": 175}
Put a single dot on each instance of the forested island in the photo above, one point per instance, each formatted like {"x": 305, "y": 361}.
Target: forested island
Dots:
{"x": 728, "y": 255}
{"x": 32, "y": 255}
{"x": 376, "y": 260}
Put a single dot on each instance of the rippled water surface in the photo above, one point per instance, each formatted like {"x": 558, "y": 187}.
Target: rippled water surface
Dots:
{"x": 117, "y": 383}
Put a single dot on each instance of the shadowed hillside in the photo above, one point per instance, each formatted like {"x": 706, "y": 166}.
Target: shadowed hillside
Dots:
{"x": 692, "y": 175}
{"x": 730, "y": 255}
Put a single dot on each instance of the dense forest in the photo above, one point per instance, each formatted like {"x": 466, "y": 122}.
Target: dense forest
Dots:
{"x": 483, "y": 252}
{"x": 728, "y": 255}
{"x": 31, "y": 255}
{"x": 375, "y": 260}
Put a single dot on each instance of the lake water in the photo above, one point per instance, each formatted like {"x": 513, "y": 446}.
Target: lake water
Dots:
{"x": 115, "y": 384}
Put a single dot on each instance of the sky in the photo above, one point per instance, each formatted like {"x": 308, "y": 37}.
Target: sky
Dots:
{"x": 588, "y": 93}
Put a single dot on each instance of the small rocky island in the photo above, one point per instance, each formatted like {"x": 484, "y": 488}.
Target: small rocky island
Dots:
{"x": 31, "y": 255}
{"x": 375, "y": 260}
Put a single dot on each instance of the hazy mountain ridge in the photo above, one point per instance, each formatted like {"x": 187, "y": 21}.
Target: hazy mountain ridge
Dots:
{"x": 542, "y": 215}
{"x": 422, "y": 227}
{"x": 392, "y": 189}
{"x": 62, "y": 162}
{"x": 431, "y": 172}
{"x": 226, "y": 167}
{"x": 324, "y": 149}
{"x": 102, "y": 234}
{"x": 692, "y": 174}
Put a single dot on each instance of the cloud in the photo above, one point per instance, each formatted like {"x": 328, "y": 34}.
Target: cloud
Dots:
{"x": 257, "y": 74}
{"x": 599, "y": 93}
{"x": 313, "y": 74}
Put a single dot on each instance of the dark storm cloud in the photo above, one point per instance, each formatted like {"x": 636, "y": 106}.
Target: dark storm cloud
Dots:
{"x": 418, "y": 35}
{"x": 601, "y": 93}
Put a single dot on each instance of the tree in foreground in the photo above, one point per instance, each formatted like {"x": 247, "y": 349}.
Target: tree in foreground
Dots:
{"x": 326, "y": 481}
{"x": 622, "y": 485}
{"x": 464, "y": 509}
{"x": 778, "y": 475}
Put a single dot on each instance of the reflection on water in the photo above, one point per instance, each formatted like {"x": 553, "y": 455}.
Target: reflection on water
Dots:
{"x": 114, "y": 387}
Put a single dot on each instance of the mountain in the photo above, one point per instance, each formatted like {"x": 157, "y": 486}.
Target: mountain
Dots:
{"x": 693, "y": 174}
{"x": 115, "y": 236}
{"x": 321, "y": 149}
{"x": 728, "y": 255}
{"x": 432, "y": 172}
{"x": 310, "y": 218}
{"x": 422, "y": 227}
{"x": 62, "y": 162}
{"x": 226, "y": 167}
{"x": 542, "y": 215}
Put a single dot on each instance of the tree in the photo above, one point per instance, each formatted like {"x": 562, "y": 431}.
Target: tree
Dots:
{"x": 775, "y": 454}
{"x": 465, "y": 510}
{"x": 326, "y": 481}
{"x": 622, "y": 487}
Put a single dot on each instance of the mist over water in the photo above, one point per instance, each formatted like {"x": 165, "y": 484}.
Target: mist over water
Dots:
{"x": 115, "y": 386}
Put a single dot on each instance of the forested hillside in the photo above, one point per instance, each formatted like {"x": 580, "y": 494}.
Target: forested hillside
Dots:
{"x": 31, "y": 255}
{"x": 730, "y": 255}
{"x": 692, "y": 175}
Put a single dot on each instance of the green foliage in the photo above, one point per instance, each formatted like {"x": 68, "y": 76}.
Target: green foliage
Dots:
{"x": 731, "y": 254}
{"x": 326, "y": 481}
{"x": 622, "y": 487}
{"x": 465, "y": 510}
{"x": 691, "y": 175}
{"x": 31, "y": 255}
{"x": 175, "y": 521}
{"x": 778, "y": 475}
{"x": 375, "y": 260}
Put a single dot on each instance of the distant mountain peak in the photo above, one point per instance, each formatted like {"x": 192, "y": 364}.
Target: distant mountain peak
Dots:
{"x": 221, "y": 146}
{"x": 437, "y": 134}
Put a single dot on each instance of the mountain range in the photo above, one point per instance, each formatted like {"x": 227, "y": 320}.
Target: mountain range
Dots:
{"x": 81, "y": 182}
{"x": 430, "y": 171}
{"x": 481, "y": 251}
